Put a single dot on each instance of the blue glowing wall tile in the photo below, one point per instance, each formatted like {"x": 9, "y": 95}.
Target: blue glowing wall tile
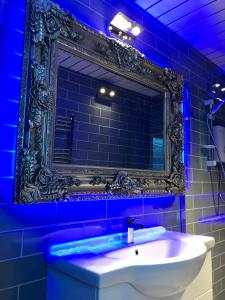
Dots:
{"x": 9, "y": 113}
{"x": 17, "y": 3}
{"x": 12, "y": 16}
{"x": 10, "y": 94}
{"x": 164, "y": 48}
{"x": 14, "y": 66}
{"x": 6, "y": 189}
{"x": 84, "y": 13}
{"x": 146, "y": 37}
{"x": 104, "y": 227}
{"x": 40, "y": 239}
{"x": 12, "y": 21}
{"x": 96, "y": 228}
{"x": 11, "y": 244}
{"x": 154, "y": 204}
{"x": 9, "y": 136}
{"x": 13, "y": 39}
{"x": 170, "y": 219}
{"x": 150, "y": 220}
{"x": 104, "y": 9}
{"x": 178, "y": 43}
{"x": 7, "y": 159}
{"x": 156, "y": 57}
{"x": 81, "y": 210}
{"x": 21, "y": 216}
{"x": 153, "y": 25}
{"x": 124, "y": 207}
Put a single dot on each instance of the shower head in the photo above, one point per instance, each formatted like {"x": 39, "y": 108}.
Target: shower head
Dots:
{"x": 216, "y": 108}
{"x": 217, "y": 93}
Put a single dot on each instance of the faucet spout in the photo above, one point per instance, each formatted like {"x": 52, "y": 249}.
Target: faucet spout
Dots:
{"x": 131, "y": 226}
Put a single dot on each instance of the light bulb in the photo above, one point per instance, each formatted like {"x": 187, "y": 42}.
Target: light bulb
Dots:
{"x": 112, "y": 93}
{"x": 129, "y": 25}
{"x": 120, "y": 22}
{"x": 136, "y": 30}
{"x": 102, "y": 90}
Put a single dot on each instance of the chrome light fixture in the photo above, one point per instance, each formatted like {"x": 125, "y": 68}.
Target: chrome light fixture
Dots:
{"x": 124, "y": 28}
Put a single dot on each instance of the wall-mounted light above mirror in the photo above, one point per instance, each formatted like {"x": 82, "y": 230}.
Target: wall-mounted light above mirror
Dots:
{"x": 124, "y": 28}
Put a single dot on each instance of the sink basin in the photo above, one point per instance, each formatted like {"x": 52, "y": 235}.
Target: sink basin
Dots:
{"x": 163, "y": 267}
{"x": 160, "y": 251}
{"x": 159, "y": 263}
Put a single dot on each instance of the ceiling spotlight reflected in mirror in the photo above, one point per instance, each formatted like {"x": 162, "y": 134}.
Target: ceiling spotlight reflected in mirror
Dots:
{"x": 112, "y": 93}
{"x": 102, "y": 90}
{"x": 105, "y": 92}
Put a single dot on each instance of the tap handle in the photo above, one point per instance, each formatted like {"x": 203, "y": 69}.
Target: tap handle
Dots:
{"x": 131, "y": 220}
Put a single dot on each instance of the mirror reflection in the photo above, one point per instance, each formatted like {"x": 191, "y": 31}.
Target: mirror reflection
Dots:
{"x": 103, "y": 119}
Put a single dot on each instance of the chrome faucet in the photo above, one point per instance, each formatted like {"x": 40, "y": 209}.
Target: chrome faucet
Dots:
{"x": 131, "y": 226}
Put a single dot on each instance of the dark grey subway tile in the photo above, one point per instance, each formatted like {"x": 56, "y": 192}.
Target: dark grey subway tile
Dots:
{"x": 9, "y": 294}
{"x": 21, "y": 270}
{"x": 35, "y": 291}
{"x": 11, "y": 243}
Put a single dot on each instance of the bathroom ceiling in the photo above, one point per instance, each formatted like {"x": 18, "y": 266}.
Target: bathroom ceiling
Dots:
{"x": 78, "y": 64}
{"x": 200, "y": 22}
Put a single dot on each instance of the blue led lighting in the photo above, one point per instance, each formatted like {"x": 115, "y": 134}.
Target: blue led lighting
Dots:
{"x": 213, "y": 219}
{"x": 105, "y": 243}
{"x": 204, "y": 195}
{"x": 88, "y": 15}
{"x": 91, "y": 245}
{"x": 147, "y": 195}
{"x": 12, "y": 22}
{"x": 10, "y": 151}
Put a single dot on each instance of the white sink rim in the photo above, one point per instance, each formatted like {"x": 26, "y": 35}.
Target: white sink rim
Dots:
{"x": 195, "y": 249}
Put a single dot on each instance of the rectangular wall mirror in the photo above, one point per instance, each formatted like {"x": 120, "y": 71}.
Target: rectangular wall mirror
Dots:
{"x": 96, "y": 118}
{"x": 103, "y": 119}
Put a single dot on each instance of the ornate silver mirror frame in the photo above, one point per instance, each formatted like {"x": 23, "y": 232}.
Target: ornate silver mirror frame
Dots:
{"x": 37, "y": 178}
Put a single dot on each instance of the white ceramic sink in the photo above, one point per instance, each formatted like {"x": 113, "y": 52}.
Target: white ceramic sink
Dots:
{"x": 159, "y": 264}
{"x": 159, "y": 251}
{"x": 163, "y": 267}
